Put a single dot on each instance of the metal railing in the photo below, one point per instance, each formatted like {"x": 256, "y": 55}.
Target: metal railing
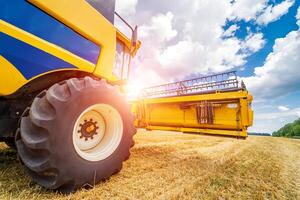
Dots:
{"x": 216, "y": 82}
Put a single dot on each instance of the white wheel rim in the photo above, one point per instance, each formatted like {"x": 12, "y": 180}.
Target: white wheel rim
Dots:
{"x": 97, "y": 132}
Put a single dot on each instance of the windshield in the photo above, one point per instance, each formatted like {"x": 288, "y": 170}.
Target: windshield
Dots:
{"x": 104, "y": 7}
{"x": 122, "y": 63}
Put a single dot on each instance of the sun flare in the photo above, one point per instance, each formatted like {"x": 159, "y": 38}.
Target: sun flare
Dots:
{"x": 133, "y": 90}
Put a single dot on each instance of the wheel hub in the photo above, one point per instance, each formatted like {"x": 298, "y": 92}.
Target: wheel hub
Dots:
{"x": 88, "y": 129}
{"x": 97, "y": 132}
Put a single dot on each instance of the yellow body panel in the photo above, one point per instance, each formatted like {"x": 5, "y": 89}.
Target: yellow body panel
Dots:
{"x": 232, "y": 114}
{"x": 11, "y": 77}
{"x": 39, "y": 43}
{"x": 82, "y": 18}
{"x": 46, "y": 46}
{"x": 88, "y": 22}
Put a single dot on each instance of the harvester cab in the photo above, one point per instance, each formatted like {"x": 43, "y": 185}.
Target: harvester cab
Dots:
{"x": 59, "y": 65}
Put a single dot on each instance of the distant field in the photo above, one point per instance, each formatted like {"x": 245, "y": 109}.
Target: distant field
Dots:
{"x": 177, "y": 166}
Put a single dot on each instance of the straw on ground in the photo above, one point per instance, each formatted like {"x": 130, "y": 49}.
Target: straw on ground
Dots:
{"x": 165, "y": 165}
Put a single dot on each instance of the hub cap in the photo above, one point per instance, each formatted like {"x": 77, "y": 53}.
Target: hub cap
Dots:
{"x": 97, "y": 132}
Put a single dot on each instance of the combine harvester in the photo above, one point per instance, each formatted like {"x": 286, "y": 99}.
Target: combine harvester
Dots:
{"x": 215, "y": 105}
{"x": 61, "y": 65}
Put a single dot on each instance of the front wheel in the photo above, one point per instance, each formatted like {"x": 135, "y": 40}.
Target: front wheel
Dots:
{"x": 77, "y": 133}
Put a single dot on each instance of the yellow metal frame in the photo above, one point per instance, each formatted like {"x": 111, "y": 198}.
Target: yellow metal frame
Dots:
{"x": 89, "y": 23}
{"x": 169, "y": 113}
{"x": 230, "y": 133}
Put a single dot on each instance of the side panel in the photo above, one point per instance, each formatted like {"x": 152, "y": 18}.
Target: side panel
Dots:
{"x": 30, "y": 61}
{"x": 33, "y": 43}
{"x": 31, "y": 19}
{"x": 174, "y": 115}
{"x": 10, "y": 77}
{"x": 88, "y": 22}
{"x": 228, "y": 113}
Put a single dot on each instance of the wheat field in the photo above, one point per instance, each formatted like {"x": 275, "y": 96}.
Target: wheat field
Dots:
{"x": 168, "y": 165}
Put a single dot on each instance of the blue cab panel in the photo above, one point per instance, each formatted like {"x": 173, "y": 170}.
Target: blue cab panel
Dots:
{"x": 32, "y": 61}
{"x": 29, "y": 60}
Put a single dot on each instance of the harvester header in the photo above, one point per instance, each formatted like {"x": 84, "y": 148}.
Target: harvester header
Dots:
{"x": 216, "y": 104}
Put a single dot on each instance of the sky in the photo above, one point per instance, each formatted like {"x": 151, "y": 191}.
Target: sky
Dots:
{"x": 260, "y": 39}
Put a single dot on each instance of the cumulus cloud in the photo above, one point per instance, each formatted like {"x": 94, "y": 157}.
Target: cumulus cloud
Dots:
{"x": 231, "y": 31}
{"x": 283, "y": 108}
{"x": 254, "y": 42}
{"x": 277, "y": 115}
{"x": 298, "y": 16}
{"x": 187, "y": 37}
{"x": 248, "y": 9}
{"x": 273, "y": 13}
{"x": 126, "y": 8}
{"x": 155, "y": 34}
{"x": 268, "y": 122}
{"x": 160, "y": 27}
{"x": 280, "y": 74}
{"x": 277, "y": 77}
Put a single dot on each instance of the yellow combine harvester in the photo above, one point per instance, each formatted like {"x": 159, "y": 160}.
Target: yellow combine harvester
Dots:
{"x": 210, "y": 105}
{"x": 61, "y": 63}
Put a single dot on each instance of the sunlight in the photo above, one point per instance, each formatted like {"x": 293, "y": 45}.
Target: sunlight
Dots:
{"x": 133, "y": 89}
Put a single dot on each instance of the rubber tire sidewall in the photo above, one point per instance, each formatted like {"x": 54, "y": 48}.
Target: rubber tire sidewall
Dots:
{"x": 73, "y": 165}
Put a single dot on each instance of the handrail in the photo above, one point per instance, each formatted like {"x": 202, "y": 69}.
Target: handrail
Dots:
{"x": 216, "y": 82}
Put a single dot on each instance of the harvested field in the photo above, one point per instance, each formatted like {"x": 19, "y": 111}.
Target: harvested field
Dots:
{"x": 166, "y": 165}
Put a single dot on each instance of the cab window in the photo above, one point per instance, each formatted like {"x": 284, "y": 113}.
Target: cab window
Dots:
{"x": 122, "y": 62}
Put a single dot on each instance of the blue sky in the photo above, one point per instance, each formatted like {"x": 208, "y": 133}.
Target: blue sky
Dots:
{"x": 258, "y": 38}
{"x": 272, "y": 31}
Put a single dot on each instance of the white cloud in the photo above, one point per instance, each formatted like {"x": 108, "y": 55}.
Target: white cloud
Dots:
{"x": 126, "y": 7}
{"x": 231, "y": 31}
{"x": 248, "y": 9}
{"x": 183, "y": 38}
{"x": 273, "y": 13}
{"x": 298, "y": 16}
{"x": 180, "y": 38}
{"x": 259, "y": 10}
{"x": 187, "y": 37}
{"x": 277, "y": 115}
{"x": 160, "y": 27}
{"x": 254, "y": 42}
{"x": 154, "y": 35}
{"x": 283, "y": 108}
{"x": 268, "y": 122}
{"x": 280, "y": 74}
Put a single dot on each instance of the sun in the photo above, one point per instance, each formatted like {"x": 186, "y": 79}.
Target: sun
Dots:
{"x": 133, "y": 90}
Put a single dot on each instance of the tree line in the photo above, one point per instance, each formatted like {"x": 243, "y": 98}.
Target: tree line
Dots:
{"x": 289, "y": 130}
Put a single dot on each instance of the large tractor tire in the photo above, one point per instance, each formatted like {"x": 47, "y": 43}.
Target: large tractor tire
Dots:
{"x": 75, "y": 134}
{"x": 10, "y": 142}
